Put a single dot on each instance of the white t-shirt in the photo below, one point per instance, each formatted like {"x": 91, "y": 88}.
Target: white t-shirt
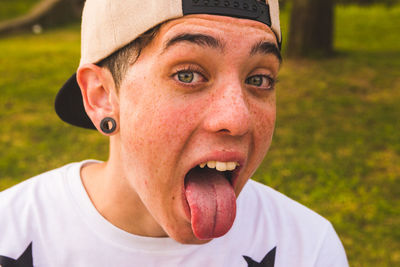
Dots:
{"x": 49, "y": 220}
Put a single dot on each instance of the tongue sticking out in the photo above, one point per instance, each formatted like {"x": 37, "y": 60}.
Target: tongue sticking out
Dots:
{"x": 212, "y": 202}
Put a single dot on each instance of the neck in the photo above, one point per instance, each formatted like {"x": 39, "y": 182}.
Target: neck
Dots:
{"x": 115, "y": 198}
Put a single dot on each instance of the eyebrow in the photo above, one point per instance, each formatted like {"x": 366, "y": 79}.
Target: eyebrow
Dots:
{"x": 264, "y": 47}
{"x": 197, "y": 39}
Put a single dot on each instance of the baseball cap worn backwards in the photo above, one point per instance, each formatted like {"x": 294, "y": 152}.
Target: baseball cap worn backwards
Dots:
{"x": 108, "y": 25}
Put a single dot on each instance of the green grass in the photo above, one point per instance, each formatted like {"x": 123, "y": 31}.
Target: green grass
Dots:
{"x": 336, "y": 147}
{"x": 33, "y": 139}
{"x": 337, "y": 143}
{"x": 13, "y": 8}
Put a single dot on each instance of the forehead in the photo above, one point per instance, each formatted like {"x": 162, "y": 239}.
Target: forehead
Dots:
{"x": 223, "y": 27}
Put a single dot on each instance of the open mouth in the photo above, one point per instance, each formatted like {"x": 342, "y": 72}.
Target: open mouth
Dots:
{"x": 226, "y": 169}
{"x": 211, "y": 198}
{"x": 229, "y": 169}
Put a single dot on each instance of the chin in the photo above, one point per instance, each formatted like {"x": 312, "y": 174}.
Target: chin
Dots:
{"x": 188, "y": 238}
{"x": 193, "y": 241}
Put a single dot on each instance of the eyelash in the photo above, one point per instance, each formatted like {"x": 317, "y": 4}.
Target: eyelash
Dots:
{"x": 188, "y": 69}
{"x": 272, "y": 82}
{"x": 198, "y": 71}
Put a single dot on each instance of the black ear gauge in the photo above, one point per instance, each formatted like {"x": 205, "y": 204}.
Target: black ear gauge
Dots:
{"x": 108, "y": 125}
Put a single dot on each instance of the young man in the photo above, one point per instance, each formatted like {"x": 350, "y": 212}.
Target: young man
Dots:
{"x": 185, "y": 92}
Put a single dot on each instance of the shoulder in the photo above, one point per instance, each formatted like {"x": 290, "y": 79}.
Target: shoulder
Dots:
{"x": 25, "y": 206}
{"x": 282, "y": 214}
{"x": 295, "y": 230}
{"x": 20, "y": 195}
{"x": 279, "y": 207}
{"x": 26, "y": 192}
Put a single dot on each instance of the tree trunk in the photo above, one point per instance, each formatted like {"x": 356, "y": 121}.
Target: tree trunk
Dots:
{"x": 311, "y": 28}
{"x": 46, "y": 13}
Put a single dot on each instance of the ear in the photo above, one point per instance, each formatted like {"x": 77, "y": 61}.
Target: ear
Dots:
{"x": 99, "y": 94}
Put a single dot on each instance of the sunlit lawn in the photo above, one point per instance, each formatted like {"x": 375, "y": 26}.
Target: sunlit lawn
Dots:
{"x": 336, "y": 147}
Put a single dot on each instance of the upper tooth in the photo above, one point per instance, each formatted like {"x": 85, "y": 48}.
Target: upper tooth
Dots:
{"x": 219, "y": 165}
{"x": 230, "y": 166}
{"x": 211, "y": 164}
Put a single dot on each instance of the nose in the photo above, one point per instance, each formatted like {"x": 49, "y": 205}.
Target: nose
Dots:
{"x": 228, "y": 110}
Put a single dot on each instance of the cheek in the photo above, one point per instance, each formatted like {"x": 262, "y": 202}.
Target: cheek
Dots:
{"x": 153, "y": 133}
{"x": 153, "y": 136}
{"x": 174, "y": 123}
{"x": 264, "y": 116}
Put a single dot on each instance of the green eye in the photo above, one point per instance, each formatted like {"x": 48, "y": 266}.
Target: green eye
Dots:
{"x": 185, "y": 76}
{"x": 255, "y": 80}
{"x": 262, "y": 81}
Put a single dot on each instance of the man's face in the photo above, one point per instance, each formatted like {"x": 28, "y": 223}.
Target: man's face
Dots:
{"x": 201, "y": 91}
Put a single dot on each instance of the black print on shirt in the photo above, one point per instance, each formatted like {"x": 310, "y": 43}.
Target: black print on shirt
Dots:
{"x": 25, "y": 260}
{"x": 268, "y": 261}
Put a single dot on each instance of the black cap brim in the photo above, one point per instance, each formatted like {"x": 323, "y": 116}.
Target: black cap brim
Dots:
{"x": 69, "y": 105}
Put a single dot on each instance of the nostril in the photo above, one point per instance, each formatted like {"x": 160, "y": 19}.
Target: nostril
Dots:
{"x": 224, "y": 131}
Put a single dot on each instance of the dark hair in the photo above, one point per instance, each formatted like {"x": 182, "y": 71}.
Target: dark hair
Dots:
{"x": 118, "y": 62}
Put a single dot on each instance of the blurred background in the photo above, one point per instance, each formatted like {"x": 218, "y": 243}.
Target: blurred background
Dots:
{"x": 336, "y": 147}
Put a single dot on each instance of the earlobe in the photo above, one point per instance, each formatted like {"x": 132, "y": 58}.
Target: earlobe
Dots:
{"x": 97, "y": 92}
{"x": 108, "y": 125}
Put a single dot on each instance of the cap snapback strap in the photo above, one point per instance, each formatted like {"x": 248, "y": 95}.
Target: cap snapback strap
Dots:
{"x": 247, "y": 9}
